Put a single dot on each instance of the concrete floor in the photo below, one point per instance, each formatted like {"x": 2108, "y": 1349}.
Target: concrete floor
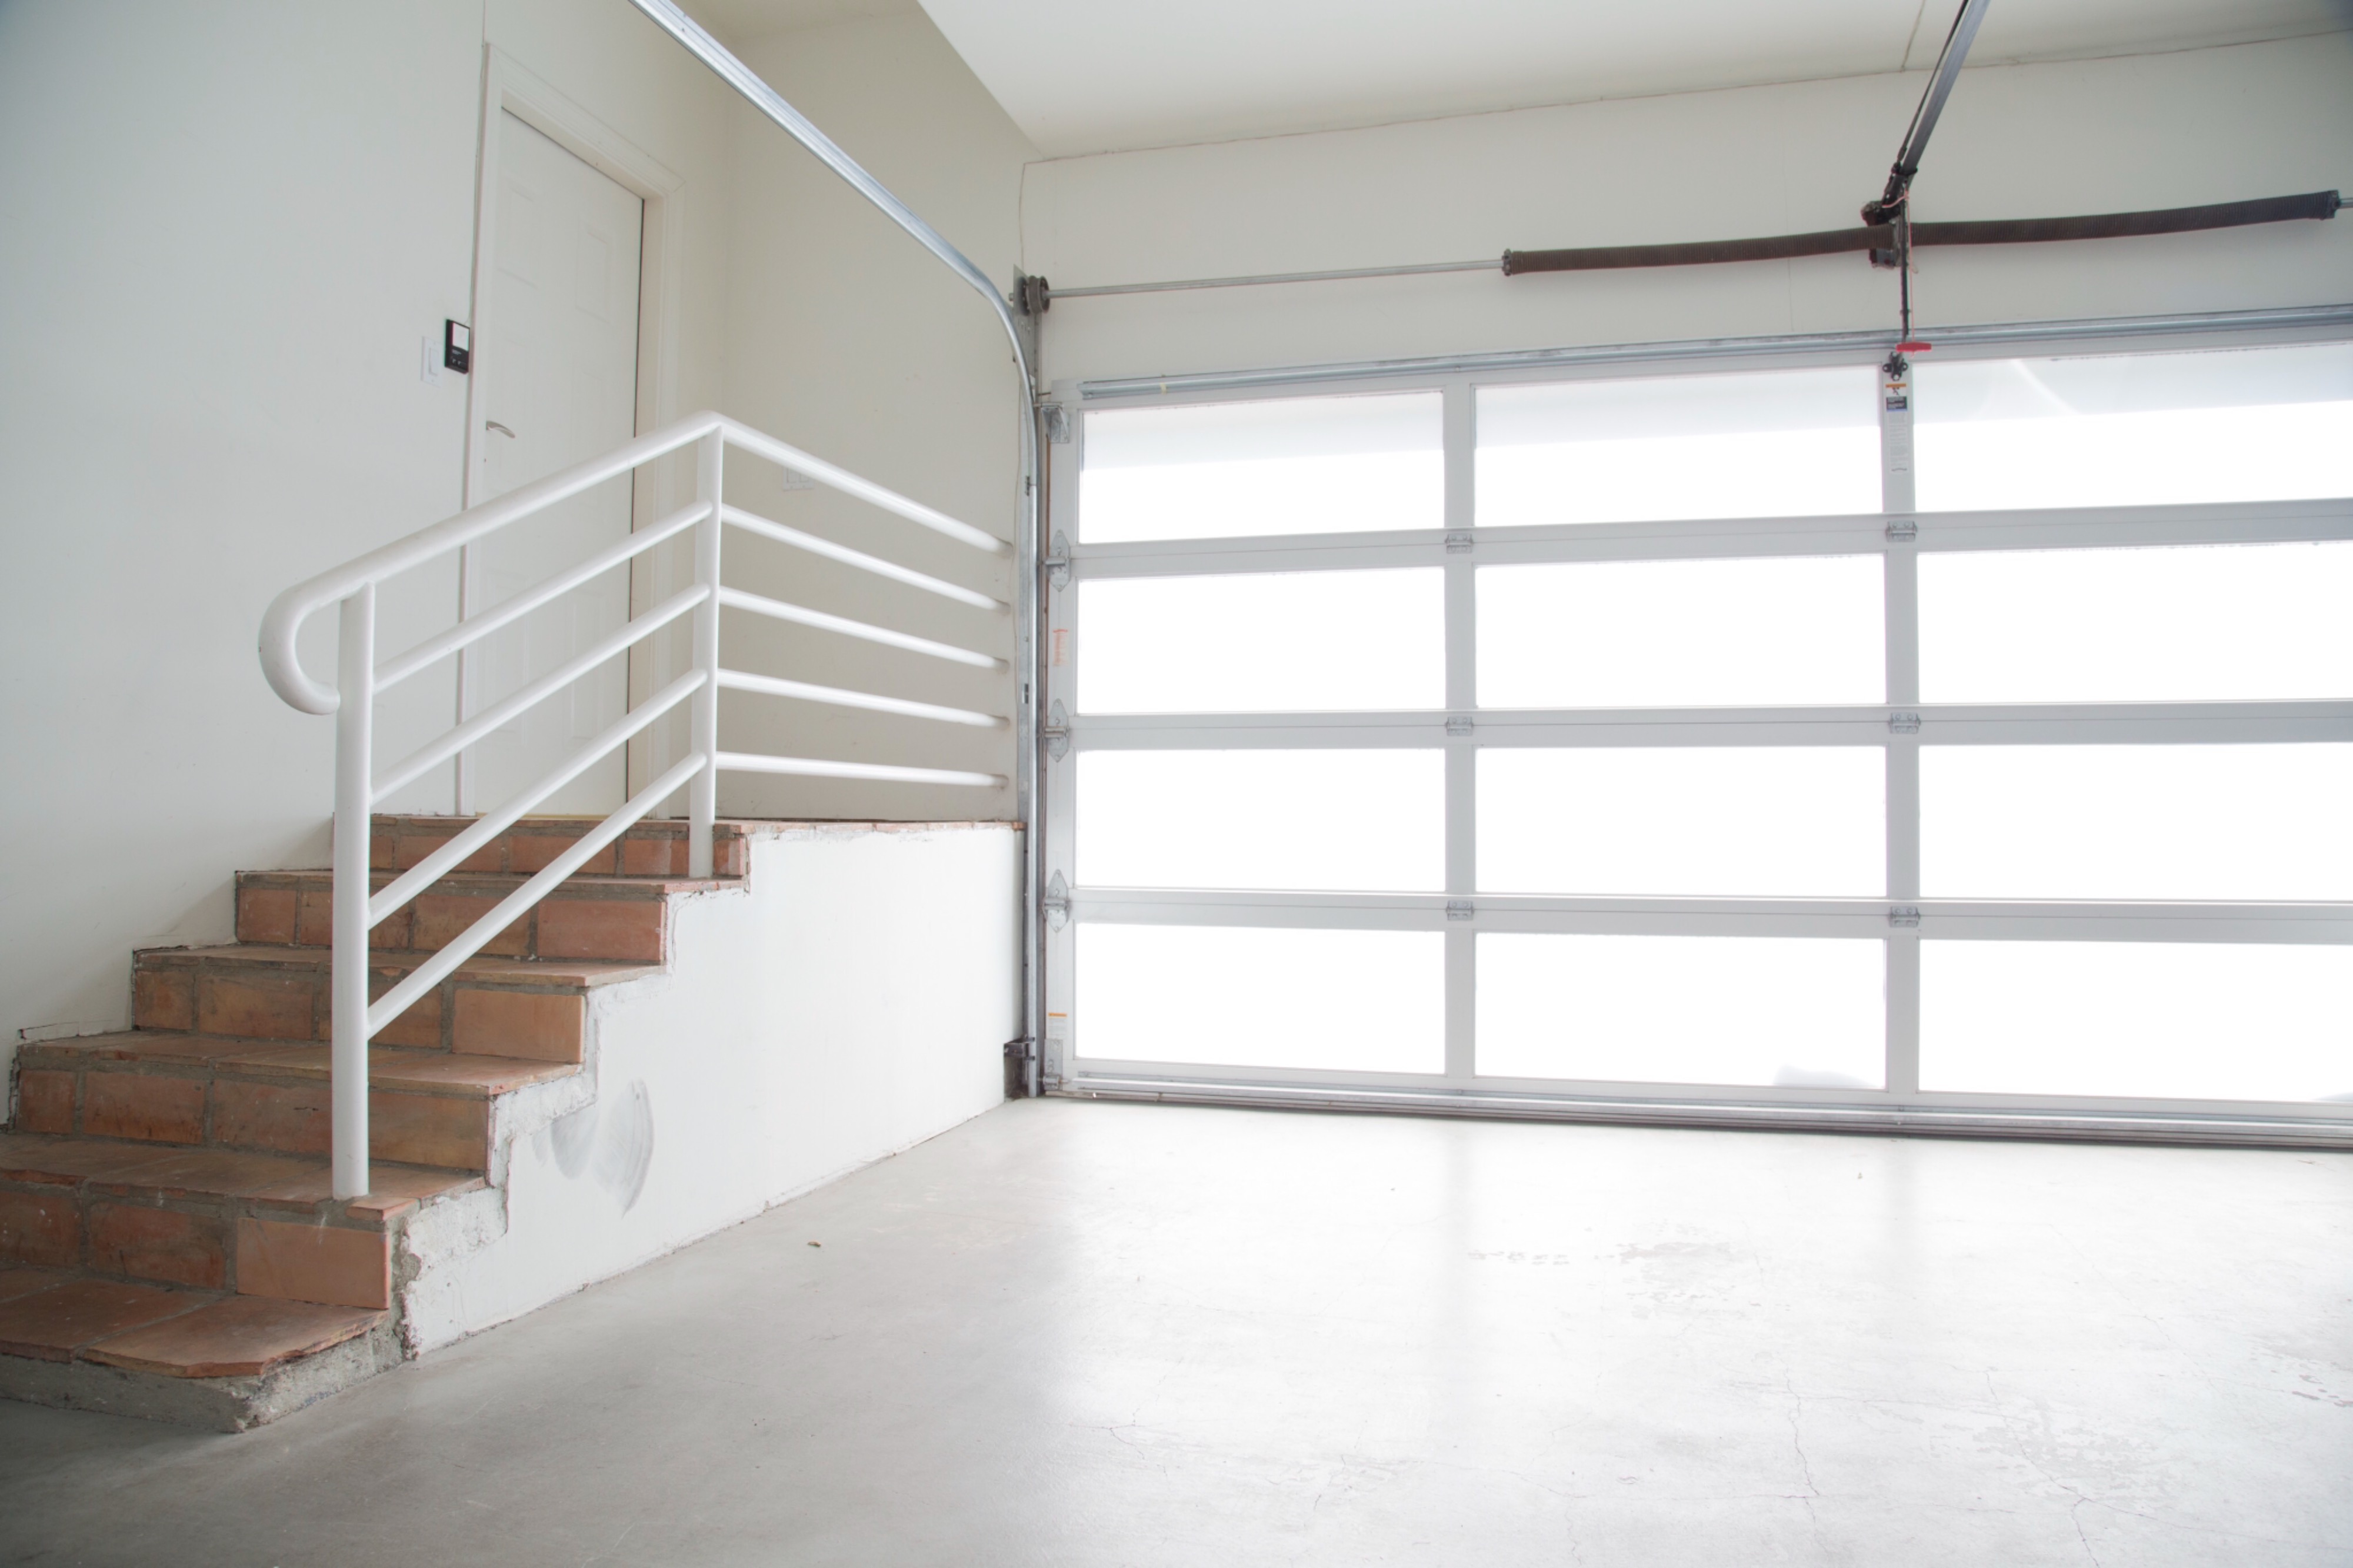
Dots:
{"x": 1102, "y": 1334}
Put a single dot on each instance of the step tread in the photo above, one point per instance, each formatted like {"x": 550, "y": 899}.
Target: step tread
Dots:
{"x": 15, "y": 1282}
{"x": 239, "y": 1336}
{"x": 56, "y": 1324}
{"x": 148, "y": 1170}
{"x": 578, "y": 972}
{"x": 389, "y": 1067}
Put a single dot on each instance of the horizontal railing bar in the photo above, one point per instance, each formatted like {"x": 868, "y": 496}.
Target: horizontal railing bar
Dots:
{"x": 867, "y": 490}
{"x": 755, "y": 523}
{"x": 296, "y": 605}
{"x": 770, "y": 686}
{"x": 443, "y": 963}
{"x": 451, "y": 742}
{"x": 455, "y": 852}
{"x": 282, "y": 662}
{"x": 466, "y": 633}
{"x": 813, "y": 767}
{"x": 777, "y": 609}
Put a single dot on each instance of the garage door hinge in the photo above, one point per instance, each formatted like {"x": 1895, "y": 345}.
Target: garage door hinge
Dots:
{"x": 1459, "y": 725}
{"x": 1058, "y": 561}
{"x": 1903, "y": 723}
{"x": 1903, "y": 528}
{"x": 1458, "y": 544}
{"x": 1903, "y": 915}
{"x": 1462, "y": 910}
{"x": 1057, "y": 733}
{"x": 1057, "y": 903}
{"x": 1056, "y": 417}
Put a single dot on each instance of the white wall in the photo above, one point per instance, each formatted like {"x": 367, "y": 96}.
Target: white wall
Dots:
{"x": 849, "y": 340}
{"x": 2016, "y": 142}
{"x": 229, "y": 227}
{"x": 853, "y": 998}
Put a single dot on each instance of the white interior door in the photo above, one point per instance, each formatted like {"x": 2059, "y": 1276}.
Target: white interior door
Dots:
{"x": 557, "y": 356}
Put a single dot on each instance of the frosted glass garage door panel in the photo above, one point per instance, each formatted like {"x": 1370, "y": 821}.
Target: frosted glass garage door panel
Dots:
{"x": 1793, "y": 1012}
{"x": 1263, "y": 643}
{"x": 1793, "y": 632}
{"x": 2164, "y": 1020}
{"x": 1698, "y": 821}
{"x": 1341, "y": 1001}
{"x": 2266, "y": 822}
{"x": 2202, "y": 624}
{"x": 2135, "y": 430}
{"x": 1316, "y": 820}
{"x": 1290, "y": 465}
{"x": 1789, "y": 443}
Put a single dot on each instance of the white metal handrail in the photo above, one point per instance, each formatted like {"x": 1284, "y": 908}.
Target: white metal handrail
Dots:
{"x": 361, "y": 677}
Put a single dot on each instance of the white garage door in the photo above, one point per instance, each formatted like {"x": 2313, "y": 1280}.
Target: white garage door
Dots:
{"x": 1758, "y": 741}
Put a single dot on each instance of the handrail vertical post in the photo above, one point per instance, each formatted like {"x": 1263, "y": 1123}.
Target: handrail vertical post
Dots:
{"x": 354, "y": 773}
{"x": 703, "y": 793}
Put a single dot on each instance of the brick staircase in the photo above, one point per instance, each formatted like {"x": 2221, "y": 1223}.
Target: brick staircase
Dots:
{"x": 169, "y": 1246}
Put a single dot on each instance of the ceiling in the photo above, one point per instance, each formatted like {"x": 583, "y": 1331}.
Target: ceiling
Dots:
{"x": 1083, "y": 76}
{"x": 738, "y": 22}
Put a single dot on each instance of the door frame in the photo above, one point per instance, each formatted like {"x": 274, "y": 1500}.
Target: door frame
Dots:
{"x": 508, "y": 88}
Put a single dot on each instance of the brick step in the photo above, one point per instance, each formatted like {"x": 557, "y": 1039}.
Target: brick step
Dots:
{"x": 51, "y": 1315}
{"x": 651, "y": 848}
{"x": 211, "y": 1219}
{"x": 424, "y": 1108}
{"x": 199, "y": 1357}
{"x": 488, "y": 1006}
{"x": 624, "y": 919}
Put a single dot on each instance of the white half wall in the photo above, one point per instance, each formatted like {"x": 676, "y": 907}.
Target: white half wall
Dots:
{"x": 852, "y": 998}
{"x": 2047, "y": 140}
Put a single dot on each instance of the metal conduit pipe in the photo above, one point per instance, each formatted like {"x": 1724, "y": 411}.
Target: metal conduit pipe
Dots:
{"x": 1783, "y": 246}
{"x": 689, "y": 34}
{"x": 1882, "y": 237}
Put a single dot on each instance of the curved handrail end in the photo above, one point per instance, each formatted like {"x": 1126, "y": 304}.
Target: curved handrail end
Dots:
{"x": 281, "y": 665}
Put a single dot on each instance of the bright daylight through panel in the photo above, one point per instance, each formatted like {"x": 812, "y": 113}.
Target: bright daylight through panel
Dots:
{"x": 2170, "y": 1020}
{"x": 1784, "y": 631}
{"x": 1292, "y": 465}
{"x": 2199, "y": 624}
{"x": 1358, "y": 1001}
{"x": 2272, "y": 423}
{"x": 1699, "y": 821}
{"x": 2261, "y": 822}
{"x": 1364, "y": 821}
{"x": 1779, "y": 443}
{"x": 1267, "y": 642}
{"x": 1799, "y": 1013}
